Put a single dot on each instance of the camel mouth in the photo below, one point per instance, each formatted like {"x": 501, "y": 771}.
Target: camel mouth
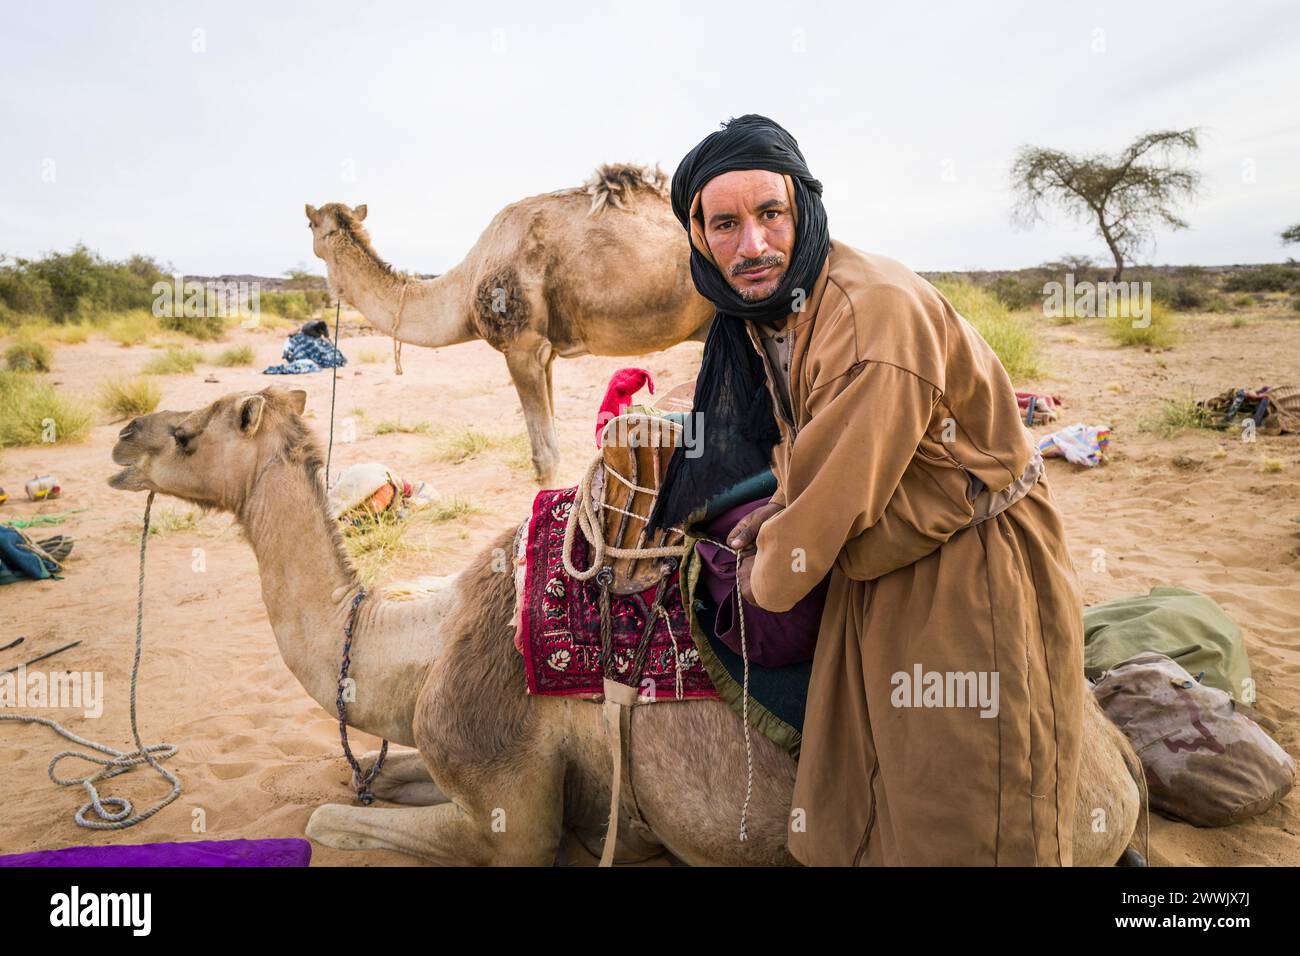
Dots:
{"x": 127, "y": 451}
{"x": 126, "y": 480}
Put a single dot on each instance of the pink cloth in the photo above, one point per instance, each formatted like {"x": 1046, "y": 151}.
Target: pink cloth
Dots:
{"x": 623, "y": 384}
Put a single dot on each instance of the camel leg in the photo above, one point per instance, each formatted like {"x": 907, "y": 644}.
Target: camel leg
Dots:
{"x": 550, "y": 383}
{"x": 516, "y": 820}
{"x": 530, "y": 373}
{"x": 404, "y": 779}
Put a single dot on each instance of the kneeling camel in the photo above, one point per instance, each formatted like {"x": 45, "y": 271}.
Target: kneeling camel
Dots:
{"x": 498, "y": 774}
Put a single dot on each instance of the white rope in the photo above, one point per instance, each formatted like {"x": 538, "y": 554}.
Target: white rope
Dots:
{"x": 583, "y": 514}
{"x": 744, "y": 702}
{"x": 397, "y": 324}
{"x": 677, "y": 657}
{"x": 116, "y": 761}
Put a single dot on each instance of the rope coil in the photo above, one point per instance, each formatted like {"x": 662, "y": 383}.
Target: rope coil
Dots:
{"x": 116, "y": 761}
{"x": 584, "y": 515}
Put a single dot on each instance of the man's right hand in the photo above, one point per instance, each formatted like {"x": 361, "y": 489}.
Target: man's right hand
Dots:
{"x": 745, "y": 533}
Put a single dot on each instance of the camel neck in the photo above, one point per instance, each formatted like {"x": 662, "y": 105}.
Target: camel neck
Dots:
{"x": 308, "y": 586}
{"x": 429, "y": 312}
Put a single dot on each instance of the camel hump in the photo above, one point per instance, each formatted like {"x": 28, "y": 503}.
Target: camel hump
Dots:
{"x": 613, "y": 184}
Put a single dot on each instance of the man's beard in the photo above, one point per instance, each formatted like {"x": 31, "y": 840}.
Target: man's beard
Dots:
{"x": 755, "y": 294}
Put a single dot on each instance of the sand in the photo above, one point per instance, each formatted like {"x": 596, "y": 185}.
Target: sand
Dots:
{"x": 257, "y": 755}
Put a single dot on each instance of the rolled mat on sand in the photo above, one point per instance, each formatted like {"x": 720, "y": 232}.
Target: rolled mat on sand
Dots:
{"x": 289, "y": 852}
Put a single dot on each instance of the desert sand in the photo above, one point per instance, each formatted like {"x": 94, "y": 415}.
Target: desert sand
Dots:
{"x": 257, "y": 755}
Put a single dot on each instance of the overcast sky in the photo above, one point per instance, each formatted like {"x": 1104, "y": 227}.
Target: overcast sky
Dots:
{"x": 196, "y": 132}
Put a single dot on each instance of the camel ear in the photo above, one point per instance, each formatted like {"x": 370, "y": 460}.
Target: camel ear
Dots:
{"x": 313, "y": 215}
{"x": 360, "y": 212}
{"x": 250, "y": 410}
{"x": 297, "y": 400}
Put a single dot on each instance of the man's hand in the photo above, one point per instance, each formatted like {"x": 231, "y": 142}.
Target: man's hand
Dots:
{"x": 744, "y": 569}
{"x": 745, "y": 533}
{"x": 742, "y": 539}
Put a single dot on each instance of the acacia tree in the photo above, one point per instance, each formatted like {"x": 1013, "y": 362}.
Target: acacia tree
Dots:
{"x": 1291, "y": 235}
{"x": 1125, "y": 196}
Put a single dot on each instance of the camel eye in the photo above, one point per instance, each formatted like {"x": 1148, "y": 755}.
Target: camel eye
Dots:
{"x": 182, "y": 441}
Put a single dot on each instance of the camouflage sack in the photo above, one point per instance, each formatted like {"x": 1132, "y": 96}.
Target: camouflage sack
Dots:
{"x": 1275, "y": 409}
{"x": 1205, "y": 762}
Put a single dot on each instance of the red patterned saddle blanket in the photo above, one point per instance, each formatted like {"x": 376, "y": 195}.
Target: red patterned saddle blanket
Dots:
{"x": 558, "y": 626}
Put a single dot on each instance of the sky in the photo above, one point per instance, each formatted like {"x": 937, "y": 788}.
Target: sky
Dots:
{"x": 195, "y": 132}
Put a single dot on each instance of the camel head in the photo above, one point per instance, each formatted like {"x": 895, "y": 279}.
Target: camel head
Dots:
{"x": 213, "y": 456}
{"x": 333, "y": 226}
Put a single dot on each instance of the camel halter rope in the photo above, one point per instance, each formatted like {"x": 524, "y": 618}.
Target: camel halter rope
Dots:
{"x": 116, "y": 761}
{"x": 584, "y": 516}
{"x": 397, "y": 324}
{"x": 360, "y": 781}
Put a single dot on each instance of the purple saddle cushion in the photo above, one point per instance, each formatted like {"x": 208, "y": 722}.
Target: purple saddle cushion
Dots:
{"x": 772, "y": 639}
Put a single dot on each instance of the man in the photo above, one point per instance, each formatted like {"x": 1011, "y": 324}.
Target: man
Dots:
{"x": 945, "y": 706}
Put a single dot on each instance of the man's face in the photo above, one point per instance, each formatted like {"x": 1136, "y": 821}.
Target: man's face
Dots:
{"x": 749, "y": 226}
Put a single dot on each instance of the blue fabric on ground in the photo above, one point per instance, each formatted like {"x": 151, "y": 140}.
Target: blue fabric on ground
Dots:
{"x": 304, "y": 354}
{"x": 16, "y": 562}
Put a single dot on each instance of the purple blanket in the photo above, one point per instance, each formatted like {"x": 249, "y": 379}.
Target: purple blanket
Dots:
{"x": 771, "y": 639}
{"x": 199, "y": 853}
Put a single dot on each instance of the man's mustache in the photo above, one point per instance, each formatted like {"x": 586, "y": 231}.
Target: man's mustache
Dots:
{"x": 773, "y": 260}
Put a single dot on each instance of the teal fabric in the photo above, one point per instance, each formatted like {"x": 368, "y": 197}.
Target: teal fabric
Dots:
{"x": 777, "y": 695}
{"x": 1177, "y": 622}
{"x": 17, "y": 563}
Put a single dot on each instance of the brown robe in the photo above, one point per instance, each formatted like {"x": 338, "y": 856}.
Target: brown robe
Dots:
{"x": 897, "y": 404}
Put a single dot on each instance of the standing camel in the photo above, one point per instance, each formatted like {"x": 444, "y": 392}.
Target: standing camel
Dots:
{"x": 601, "y": 269}
{"x": 499, "y": 774}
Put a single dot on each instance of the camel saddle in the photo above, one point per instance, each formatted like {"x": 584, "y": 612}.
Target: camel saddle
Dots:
{"x": 635, "y": 450}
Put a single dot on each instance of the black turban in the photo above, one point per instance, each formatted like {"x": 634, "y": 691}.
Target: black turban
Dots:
{"x": 738, "y": 428}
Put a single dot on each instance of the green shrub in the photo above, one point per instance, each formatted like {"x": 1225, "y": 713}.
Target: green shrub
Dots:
{"x": 1013, "y": 340}
{"x": 291, "y": 305}
{"x": 74, "y": 333}
{"x": 1269, "y": 278}
{"x": 1188, "y": 295}
{"x": 28, "y": 355}
{"x": 406, "y": 428}
{"x": 129, "y": 397}
{"x": 173, "y": 362}
{"x": 1157, "y": 331}
{"x": 24, "y": 292}
{"x": 1177, "y": 414}
{"x": 235, "y": 355}
{"x": 459, "y": 443}
{"x": 32, "y": 413}
{"x": 77, "y": 283}
{"x": 209, "y": 327}
{"x": 132, "y": 328}
{"x": 1018, "y": 294}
